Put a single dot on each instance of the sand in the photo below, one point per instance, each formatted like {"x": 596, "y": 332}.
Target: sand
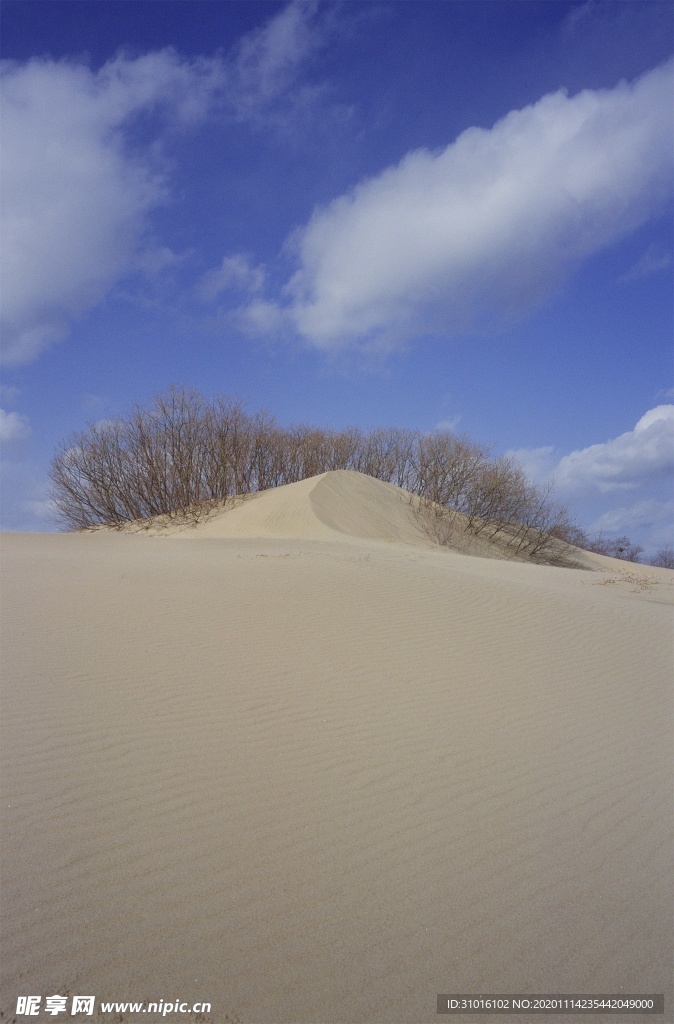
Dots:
{"x": 301, "y": 764}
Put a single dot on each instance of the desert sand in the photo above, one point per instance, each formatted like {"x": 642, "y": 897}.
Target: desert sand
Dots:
{"x": 302, "y": 764}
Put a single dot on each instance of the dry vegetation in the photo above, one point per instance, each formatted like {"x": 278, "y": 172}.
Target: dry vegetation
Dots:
{"x": 184, "y": 455}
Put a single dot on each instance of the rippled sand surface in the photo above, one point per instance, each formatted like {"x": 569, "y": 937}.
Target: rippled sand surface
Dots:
{"x": 308, "y": 768}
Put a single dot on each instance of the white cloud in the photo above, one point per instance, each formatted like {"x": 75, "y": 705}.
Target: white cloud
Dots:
{"x": 635, "y": 468}
{"x": 80, "y": 184}
{"x": 76, "y": 195}
{"x": 17, "y": 479}
{"x": 483, "y": 230}
{"x": 266, "y": 62}
{"x": 156, "y": 260}
{"x": 235, "y": 272}
{"x": 632, "y": 460}
{"x": 641, "y": 515}
{"x": 624, "y": 463}
{"x": 578, "y": 14}
{"x": 25, "y": 497}
{"x": 537, "y": 463}
{"x": 261, "y": 317}
{"x": 14, "y": 428}
{"x": 652, "y": 262}
{"x": 448, "y": 425}
{"x": 42, "y": 512}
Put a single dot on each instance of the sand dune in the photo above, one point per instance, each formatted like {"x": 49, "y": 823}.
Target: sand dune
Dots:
{"x": 324, "y": 507}
{"x": 309, "y": 768}
{"x": 335, "y": 506}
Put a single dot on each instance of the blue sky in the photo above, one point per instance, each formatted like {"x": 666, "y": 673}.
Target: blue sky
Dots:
{"x": 424, "y": 214}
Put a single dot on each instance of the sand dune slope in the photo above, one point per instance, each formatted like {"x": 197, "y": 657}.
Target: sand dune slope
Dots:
{"x": 324, "y": 507}
{"x": 319, "y": 780}
{"x": 335, "y": 506}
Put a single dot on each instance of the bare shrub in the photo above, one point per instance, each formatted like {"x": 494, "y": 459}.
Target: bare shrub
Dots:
{"x": 539, "y": 525}
{"x": 184, "y": 454}
{"x": 386, "y": 454}
{"x": 88, "y": 478}
{"x": 313, "y": 450}
{"x": 664, "y": 558}
{"x": 457, "y": 481}
{"x": 496, "y": 496}
{"x": 570, "y": 533}
{"x": 620, "y": 547}
{"x": 446, "y": 470}
{"x": 229, "y": 458}
{"x": 175, "y": 456}
{"x": 166, "y": 449}
{"x": 624, "y": 549}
